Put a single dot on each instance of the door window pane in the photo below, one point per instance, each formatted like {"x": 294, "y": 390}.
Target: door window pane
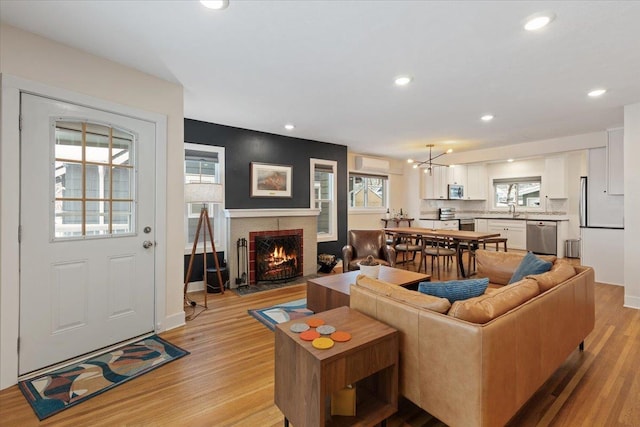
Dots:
{"x": 93, "y": 180}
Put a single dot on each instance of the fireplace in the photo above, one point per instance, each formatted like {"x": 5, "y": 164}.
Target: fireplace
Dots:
{"x": 275, "y": 255}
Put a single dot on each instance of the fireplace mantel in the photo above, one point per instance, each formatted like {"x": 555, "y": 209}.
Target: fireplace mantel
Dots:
{"x": 264, "y": 213}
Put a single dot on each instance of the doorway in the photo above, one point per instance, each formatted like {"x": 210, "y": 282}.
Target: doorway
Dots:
{"x": 87, "y": 230}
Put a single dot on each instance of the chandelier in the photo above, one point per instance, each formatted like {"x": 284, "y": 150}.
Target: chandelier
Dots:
{"x": 428, "y": 164}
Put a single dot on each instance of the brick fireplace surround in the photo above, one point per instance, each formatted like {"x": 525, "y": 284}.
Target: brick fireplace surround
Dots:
{"x": 241, "y": 222}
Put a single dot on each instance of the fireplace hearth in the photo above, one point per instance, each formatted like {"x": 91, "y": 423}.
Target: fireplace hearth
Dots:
{"x": 275, "y": 255}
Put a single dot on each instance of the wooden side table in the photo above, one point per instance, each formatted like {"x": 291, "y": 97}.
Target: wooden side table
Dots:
{"x": 305, "y": 376}
{"x": 396, "y": 221}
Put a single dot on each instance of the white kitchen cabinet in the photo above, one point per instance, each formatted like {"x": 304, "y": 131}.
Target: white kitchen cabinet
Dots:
{"x": 434, "y": 186}
{"x": 476, "y": 188}
{"x": 514, "y": 230}
{"x": 437, "y": 224}
{"x": 482, "y": 225}
{"x": 615, "y": 162}
{"x": 457, "y": 175}
{"x": 555, "y": 177}
{"x": 447, "y": 225}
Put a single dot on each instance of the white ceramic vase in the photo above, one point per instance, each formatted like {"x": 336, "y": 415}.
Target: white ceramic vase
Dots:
{"x": 370, "y": 270}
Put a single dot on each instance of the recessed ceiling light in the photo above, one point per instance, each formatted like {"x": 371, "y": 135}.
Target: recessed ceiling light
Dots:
{"x": 289, "y": 126}
{"x": 538, "y": 21}
{"x": 215, "y": 4}
{"x": 487, "y": 117}
{"x": 509, "y": 160}
{"x": 597, "y": 92}
{"x": 402, "y": 80}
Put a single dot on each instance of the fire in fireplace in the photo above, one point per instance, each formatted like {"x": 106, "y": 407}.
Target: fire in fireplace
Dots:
{"x": 277, "y": 255}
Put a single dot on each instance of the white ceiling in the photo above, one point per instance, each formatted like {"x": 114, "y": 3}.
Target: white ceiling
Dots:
{"x": 328, "y": 66}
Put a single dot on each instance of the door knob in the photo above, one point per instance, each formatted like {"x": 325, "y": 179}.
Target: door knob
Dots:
{"x": 147, "y": 244}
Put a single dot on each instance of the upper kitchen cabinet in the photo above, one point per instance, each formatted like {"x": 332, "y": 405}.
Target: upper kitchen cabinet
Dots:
{"x": 615, "y": 161}
{"x": 476, "y": 188}
{"x": 457, "y": 175}
{"x": 555, "y": 177}
{"x": 434, "y": 185}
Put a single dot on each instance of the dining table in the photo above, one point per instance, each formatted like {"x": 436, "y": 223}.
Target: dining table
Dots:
{"x": 457, "y": 236}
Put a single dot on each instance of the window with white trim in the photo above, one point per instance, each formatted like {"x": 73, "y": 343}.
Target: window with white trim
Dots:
{"x": 204, "y": 163}
{"x": 367, "y": 191}
{"x": 323, "y": 196}
{"x": 517, "y": 191}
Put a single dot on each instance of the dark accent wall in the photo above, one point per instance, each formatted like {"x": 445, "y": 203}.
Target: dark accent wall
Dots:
{"x": 243, "y": 146}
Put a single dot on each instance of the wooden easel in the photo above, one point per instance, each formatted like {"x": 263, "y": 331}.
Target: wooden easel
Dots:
{"x": 204, "y": 218}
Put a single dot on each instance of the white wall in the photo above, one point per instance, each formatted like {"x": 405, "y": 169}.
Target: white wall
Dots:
{"x": 46, "y": 63}
{"x": 359, "y": 220}
{"x": 631, "y": 205}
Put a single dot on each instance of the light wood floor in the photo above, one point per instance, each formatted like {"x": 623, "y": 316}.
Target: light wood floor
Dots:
{"x": 227, "y": 380}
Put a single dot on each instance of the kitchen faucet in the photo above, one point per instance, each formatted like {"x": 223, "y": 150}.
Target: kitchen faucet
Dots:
{"x": 512, "y": 209}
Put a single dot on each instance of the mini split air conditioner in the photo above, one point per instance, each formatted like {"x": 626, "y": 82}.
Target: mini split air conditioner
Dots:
{"x": 371, "y": 164}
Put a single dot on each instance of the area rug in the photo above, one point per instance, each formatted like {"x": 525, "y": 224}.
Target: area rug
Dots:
{"x": 280, "y": 313}
{"x": 55, "y": 391}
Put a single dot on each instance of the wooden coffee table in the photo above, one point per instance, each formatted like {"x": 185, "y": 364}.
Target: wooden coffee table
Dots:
{"x": 333, "y": 290}
{"x": 305, "y": 377}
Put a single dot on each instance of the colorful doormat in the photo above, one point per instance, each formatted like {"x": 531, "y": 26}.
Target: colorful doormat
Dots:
{"x": 55, "y": 391}
{"x": 280, "y": 313}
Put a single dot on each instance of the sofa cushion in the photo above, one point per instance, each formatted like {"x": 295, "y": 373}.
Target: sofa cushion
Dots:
{"x": 484, "y": 308}
{"x": 455, "y": 290}
{"x": 414, "y": 298}
{"x": 530, "y": 264}
{"x": 561, "y": 271}
{"x": 500, "y": 266}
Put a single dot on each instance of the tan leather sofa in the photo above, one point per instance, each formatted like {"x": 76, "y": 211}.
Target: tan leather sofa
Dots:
{"x": 480, "y": 371}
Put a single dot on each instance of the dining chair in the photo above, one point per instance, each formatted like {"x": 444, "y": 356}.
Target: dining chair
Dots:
{"x": 436, "y": 248}
{"x": 405, "y": 243}
{"x": 470, "y": 248}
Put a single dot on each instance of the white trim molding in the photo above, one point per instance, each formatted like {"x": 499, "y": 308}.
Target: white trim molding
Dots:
{"x": 264, "y": 213}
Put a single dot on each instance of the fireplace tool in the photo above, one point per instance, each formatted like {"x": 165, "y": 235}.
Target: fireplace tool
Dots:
{"x": 241, "y": 252}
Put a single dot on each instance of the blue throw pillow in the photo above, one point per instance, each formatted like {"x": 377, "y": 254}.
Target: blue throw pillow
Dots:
{"x": 455, "y": 290}
{"x": 530, "y": 264}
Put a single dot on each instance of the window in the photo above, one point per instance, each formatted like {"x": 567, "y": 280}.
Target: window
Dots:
{"x": 94, "y": 185}
{"x": 323, "y": 196}
{"x": 204, "y": 163}
{"x": 367, "y": 191}
{"x": 517, "y": 191}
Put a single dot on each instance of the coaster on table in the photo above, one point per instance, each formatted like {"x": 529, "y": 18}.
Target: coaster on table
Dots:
{"x": 322, "y": 343}
{"x": 326, "y": 329}
{"x": 309, "y": 335}
{"x": 299, "y": 327}
{"x": 341, "y": 336}
{"x": 314, "y": 322}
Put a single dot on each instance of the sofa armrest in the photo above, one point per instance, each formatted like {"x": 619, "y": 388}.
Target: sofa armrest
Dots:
{"x": 389, "y": 255}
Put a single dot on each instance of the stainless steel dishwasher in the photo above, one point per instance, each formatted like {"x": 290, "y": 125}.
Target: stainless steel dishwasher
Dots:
{"x": 542, "y": 237}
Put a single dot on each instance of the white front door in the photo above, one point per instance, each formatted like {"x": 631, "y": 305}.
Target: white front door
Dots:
{"x": 87, "y": 197}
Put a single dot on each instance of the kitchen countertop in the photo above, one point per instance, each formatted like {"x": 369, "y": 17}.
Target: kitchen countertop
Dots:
{"x": 528, "y": 217}
{"x": 522, "y": 217}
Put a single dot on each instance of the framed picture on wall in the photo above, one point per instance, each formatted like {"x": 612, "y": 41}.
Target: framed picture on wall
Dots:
{"x": 269, "y": 180}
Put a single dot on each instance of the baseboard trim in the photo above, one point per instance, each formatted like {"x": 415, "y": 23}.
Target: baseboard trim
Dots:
{"x": 632, "y": 302}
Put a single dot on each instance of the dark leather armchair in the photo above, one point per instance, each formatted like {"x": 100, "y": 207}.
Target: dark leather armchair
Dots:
{"x": 362, "y": 243}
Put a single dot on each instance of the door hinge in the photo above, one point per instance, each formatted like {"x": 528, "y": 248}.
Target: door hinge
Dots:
{"x": 19, "y": 234}
{"x": 20, "y": 122}
{"x": 18, "y": 344}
